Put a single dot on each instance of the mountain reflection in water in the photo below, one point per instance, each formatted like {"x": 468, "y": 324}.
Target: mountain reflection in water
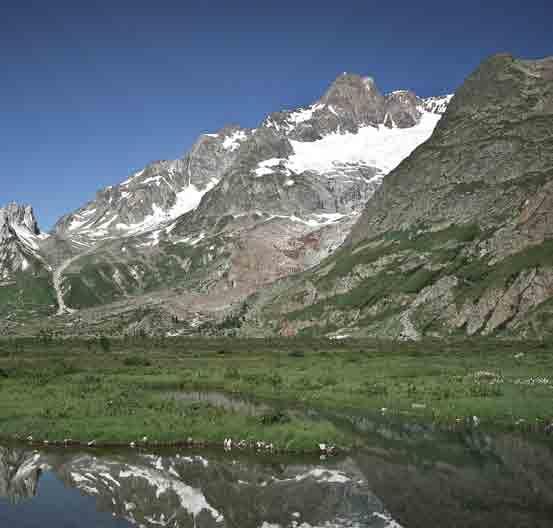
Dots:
{"x": 192, "y": 490}
{"x": 409, "y": 480}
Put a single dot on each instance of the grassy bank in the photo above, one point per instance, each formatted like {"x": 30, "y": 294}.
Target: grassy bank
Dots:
{"x": 120, "y": 390}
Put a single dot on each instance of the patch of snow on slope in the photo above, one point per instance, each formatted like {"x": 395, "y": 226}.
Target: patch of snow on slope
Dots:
{"x": 28, "y": 238}
{"x": 77, "y": 222}
{"x": 317, "y": 220}
{"x": 107, "y": 223}
{"x": 266, "y": 167}
{"x": 88, "y": 212}
{"x": 330, "y": 217}
{"x": 152, "y": 179}
{"x": 379, "y": 147}
{"x": 135, "y": 175}
{"x": 303, "y": 114}
{"x": 186, "y": 200}
{"x": 233, "y": 141}
{"x": 390, "y": 522}
{"x": 189, "y": 198}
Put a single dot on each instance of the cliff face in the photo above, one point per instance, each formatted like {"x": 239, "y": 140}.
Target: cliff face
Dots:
{"x": 496, "y": 132}
{"x": 19, "y": 240}
{"x": 457, "y": 239}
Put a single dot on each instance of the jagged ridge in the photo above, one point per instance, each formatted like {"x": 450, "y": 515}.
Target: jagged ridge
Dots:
{"x": 458, "y": 238}
{"x": 241, "y": 209}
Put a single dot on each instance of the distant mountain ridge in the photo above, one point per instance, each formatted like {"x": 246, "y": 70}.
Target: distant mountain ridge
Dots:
{"x": 242, "y": 208}
{"x": 165, "y": 190}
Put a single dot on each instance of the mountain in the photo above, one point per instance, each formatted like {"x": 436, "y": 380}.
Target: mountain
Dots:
{"x": 19, "y": 240}
{"x": 458, "y": 238}
{"x": 25, "y": 275}
{"x": 186, "y": 240}
{"x": 160, "y": 192}
{"x": 352, "y": 130}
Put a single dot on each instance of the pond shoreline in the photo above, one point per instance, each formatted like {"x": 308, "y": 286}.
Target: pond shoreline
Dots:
{"x": 192, "y": 444}
{"x": 74, "y": 389}
{"x": 341, "y": 417}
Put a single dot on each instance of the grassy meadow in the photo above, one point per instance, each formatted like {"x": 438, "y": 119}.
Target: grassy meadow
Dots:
{"x": 122, "y": 390}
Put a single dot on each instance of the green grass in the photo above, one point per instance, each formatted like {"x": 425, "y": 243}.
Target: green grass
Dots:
{"x": 76, "y": 389}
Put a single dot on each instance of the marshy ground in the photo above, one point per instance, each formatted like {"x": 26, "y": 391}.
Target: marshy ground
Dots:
{"x": 122, "y": 390}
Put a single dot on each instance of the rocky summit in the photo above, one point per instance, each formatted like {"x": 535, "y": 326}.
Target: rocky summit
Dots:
{"x": 19, "y": 241}
{"x": 179, "y": 245}
{"x": 362, "y": 214}
{"x": 458, "y": 238}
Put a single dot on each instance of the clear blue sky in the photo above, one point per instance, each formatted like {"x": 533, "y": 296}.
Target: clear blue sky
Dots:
{"x": 92, "y": 90}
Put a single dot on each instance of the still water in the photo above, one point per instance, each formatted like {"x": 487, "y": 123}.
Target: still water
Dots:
{"x": 405, "y": 476}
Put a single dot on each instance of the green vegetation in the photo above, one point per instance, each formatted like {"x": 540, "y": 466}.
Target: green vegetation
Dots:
{"x": 378, "y": 278}
{"x": 94, "y": 284}
{"x": 102, "y": 279}
{"x": 126, "y": 389}
{"x": 387, "y": 279}
{"x": 478, "y": 276}
{"x": 27, "y": 296}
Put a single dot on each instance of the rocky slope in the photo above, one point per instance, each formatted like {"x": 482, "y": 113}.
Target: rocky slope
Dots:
{"x": 155, "y": 195}
{"x": 259, "y": 166}
{"x": 457, "y": 239}
{"x": 19, "y": 240}
{"x": 188, "y": 239}
{"x": 25, "y": 275}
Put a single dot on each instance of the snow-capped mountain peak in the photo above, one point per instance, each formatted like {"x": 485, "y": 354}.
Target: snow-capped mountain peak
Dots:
{"x": 242, "y": 208}
{"x": 353, "y": 133}
{"x": 157, "y": 194}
